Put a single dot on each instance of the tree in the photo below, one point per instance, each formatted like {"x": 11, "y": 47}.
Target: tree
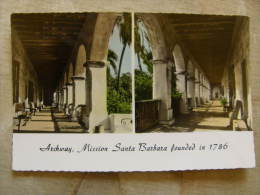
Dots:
{"x": 142, "y": 50}
{"x": 143, "y": 85}
{"x": 138, "y": 46}
{"x": 112, "y": 59}
{"x": 147, "y": 57}
{"x": 125, "y": 36}
{"x": 143, "y": 79}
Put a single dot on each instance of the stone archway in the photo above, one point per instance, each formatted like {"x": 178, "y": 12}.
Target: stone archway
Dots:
{"x": 78, "y": 83}
{"x": 244, "y": 88}
{"x": 80, "y": 60}
{"x": 191, "y": 84}
{"x": 96, "y": 71}
{"x": 162, "y": 67}
{"x": 180, "y": 77}
{"x": 231, "y": 85}
{"x": 70, "y": 72}
{"x": 69, "y": 86}
{"x": 197, "y": 87}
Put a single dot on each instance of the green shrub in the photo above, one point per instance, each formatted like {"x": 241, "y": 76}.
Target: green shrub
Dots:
{"x": 176, "y": 94}
{"x": 223, "y": 101}
{"x": 143, "y": 85}
{"x": 119, "y": 101}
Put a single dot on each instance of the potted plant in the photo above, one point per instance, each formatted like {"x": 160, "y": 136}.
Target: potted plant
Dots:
{"x": 224, "y": 102}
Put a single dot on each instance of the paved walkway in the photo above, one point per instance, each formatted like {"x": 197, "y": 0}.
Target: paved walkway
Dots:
{"x": 210, "y": 116}
{"x": 47, "y": 121}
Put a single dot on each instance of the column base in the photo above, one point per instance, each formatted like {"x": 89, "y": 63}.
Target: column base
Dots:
{"x": 85, "y": 121}
{"x": 60, "y": 108}
{"x": 184, "y": 108}
{"x": 167, "y": 122}
{"x": 74, "y": 117}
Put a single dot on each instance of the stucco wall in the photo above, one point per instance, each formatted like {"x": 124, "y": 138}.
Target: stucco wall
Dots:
{"x": 239, "y": 54}
{"x": 26, "y": 71}
{"x": 215, "y": 182}
{"x": 121, "y": 123}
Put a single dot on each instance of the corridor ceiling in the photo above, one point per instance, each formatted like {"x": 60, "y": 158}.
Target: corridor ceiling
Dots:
{"x": 208, "y": 38}
{"x": 48, "y": 39}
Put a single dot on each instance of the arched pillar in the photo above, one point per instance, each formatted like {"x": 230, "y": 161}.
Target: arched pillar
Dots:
{"x": 191, "y": 84}
{"x": 60, "y": 99}
{"x": 65, "y": 93}
{"x": 79, "y": 94}
{"x": 208, "y": 90}
{"x": 78, "y": 82}
{"x": 65, "y": 98}
{"x": 69, "y": 87}
{"x": 55, "y": 98}
{"x": 201, "y": 88}
{"x": 70, "y": 90}
{"x": 241, "y": 87}
{"x": 162, "y": 67}
{"x": 162, "y": 89}
{"x": 197, "y": 88}
{"x": 180, "y": 77}
{"x": 96, "y": 72}
{"x": 96, "y": 94}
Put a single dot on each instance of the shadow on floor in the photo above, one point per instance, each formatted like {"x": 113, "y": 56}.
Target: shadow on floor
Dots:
{"x": 206, "y": 117}
{"x": 49, "y": 120}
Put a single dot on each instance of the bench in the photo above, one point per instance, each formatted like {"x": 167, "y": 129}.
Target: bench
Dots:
{"x": 21, "y": 114}
{"x": 33, "y": 108}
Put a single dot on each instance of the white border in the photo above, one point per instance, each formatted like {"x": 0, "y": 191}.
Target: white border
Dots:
{"x": 28, "y": 157}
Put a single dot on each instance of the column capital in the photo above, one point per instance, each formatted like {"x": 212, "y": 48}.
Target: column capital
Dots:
{"x": 69, "y": 84}
{"x": 77, "y": 78}
{"x": 95, "y": 64}
{"x": 160, "y": 61}
{"x": 183, "y": 72}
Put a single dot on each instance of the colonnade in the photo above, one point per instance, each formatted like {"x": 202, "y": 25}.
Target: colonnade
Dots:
{"x": 84, "y": 99}
{"x": 191, "y": 82}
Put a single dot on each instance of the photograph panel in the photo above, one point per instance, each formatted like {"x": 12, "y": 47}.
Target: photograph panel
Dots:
{"x": 191, "y": 73}
{"x": 72, "y": 72}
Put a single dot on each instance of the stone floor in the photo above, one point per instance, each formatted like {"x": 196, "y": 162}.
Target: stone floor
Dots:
{"x": 209, "y": 116}
{"x": 48, "y": 120}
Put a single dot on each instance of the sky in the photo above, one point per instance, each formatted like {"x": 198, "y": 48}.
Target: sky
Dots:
{"x": 116, "y": 45}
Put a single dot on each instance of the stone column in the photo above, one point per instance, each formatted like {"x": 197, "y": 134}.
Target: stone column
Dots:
{"x": 209, "y": 90}
{"x": 180, "y": 84}
{"x": 191, "y": 90}
{"x": 60, "y": 92}
{"x": 70, "y": 97}
{"x": 201, "y": 89}
{"x": 42, "y": 97}
{"x": 78, "y": 94}
{"x": 196, "y": 81}
{"x": 55, "y": 98}
{"x": 65, "y": 98}
{"x": 96, "y": 95}
{"x": 162, "y": 89}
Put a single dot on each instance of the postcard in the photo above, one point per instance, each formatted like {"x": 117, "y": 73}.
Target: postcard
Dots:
{"x": 106, "y": 91}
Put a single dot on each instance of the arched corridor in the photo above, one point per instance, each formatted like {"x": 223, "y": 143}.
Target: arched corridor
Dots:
{"x": 206, "y": 91}
{"x": 60, "y": 72}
